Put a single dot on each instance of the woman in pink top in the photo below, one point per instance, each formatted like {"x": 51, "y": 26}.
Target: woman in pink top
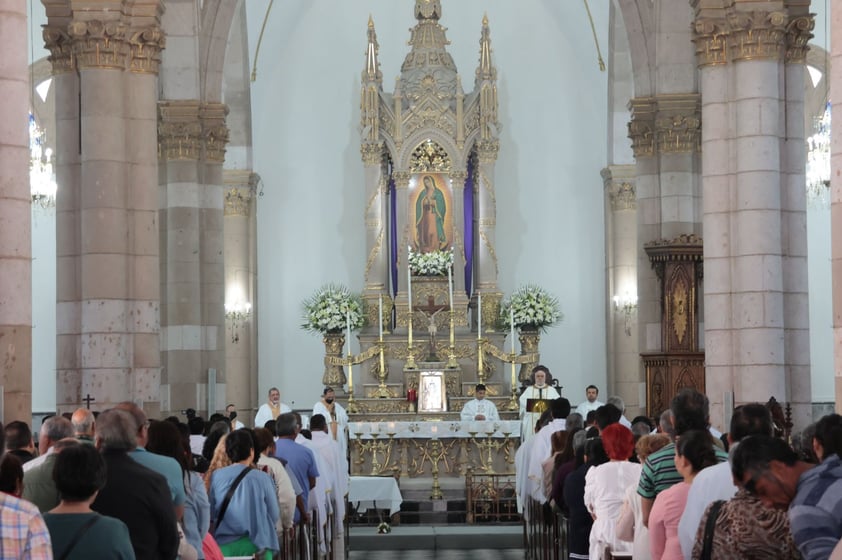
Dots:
{"x": 693, "y": 452}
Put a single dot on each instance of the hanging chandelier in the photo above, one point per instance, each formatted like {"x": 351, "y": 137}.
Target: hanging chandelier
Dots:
{"x": 818, "y": 159}
{"x": 42, "y": 181}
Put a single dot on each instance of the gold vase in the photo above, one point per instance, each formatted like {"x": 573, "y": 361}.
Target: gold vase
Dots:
{"x": 529, "y": 338}
{"x": 334, "y": 375}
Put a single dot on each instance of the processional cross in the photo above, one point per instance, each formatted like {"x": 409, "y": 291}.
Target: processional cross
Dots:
{"x": 431, "y": 310}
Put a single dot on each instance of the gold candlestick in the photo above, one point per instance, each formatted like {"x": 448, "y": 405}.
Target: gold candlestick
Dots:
{"x": 451, "y": 354}
{"x": 435, "y": 494}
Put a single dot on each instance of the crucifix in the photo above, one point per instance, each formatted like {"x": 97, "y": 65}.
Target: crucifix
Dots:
{"x": 431, "y": 310}
{"x": 88, "y": 398}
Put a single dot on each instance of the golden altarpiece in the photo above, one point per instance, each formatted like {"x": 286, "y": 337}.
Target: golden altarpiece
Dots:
{"x": 429, "y": 151}
{"x": 678, "y": 265}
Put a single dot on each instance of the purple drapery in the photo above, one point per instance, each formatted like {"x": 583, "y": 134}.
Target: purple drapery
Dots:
{"x": 393, "y": 235}
{"x": 468, "y": 235}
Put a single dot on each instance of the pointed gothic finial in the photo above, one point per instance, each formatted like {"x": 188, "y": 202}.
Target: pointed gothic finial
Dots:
{"x": 427, "y": 9}
{"x": 372, "y": 65}
{"x": 486, "y": 70}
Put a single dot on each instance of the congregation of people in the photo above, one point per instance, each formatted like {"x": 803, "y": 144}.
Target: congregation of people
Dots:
{"x": 678, "y": 489}
{"x": 118, "y": 485}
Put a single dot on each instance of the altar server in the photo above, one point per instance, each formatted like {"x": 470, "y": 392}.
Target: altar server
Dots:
{"x": 479, "y": 408}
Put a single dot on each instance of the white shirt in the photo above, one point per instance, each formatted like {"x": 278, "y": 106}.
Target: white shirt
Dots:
{"x": 284, "y": 488}
{"x": 341, "y": 423}
{"x": 540, "y": 451}
{"x": 32, "y": 463}
{"x": 711, "y": 484}
{"x": 264, "y": 414}
{"x": 605, "y": 490}
{"x": 323, "y": 444}
{"x": 587, "y": 406}
{"x": 477, "y": 406}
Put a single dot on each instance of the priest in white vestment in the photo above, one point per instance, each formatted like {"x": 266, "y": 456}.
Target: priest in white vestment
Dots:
{"x": 538, "y": 390}
{"x": 336, "y": 467}
{"x": 336, "y": 417}
{"x": 272, "y": 409}
{"x": 479, "y": 408}
{"x": 541, "y": 449}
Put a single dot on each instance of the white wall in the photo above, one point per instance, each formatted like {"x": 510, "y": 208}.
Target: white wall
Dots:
{"x": 305, "y": 106}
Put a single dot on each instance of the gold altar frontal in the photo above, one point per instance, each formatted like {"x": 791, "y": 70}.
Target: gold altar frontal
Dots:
{"x": 415, "y": 447}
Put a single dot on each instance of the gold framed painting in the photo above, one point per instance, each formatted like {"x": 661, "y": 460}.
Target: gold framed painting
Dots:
{"x": 432, "y": 392}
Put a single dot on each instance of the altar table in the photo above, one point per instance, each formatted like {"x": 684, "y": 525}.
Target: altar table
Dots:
{"x": 369, "y": 492}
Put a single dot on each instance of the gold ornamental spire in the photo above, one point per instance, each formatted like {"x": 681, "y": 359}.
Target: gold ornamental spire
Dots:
{"x": 372, "y": 65}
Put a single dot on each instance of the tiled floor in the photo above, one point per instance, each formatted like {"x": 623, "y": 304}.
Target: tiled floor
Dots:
{"x": 479, "y": 554}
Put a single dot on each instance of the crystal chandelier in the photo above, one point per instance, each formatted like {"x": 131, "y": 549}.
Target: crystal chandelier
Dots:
{"x": 818, "y": 159}
{"x": 42, "y": 182}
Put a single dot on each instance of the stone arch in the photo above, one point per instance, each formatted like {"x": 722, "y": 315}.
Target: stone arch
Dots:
{"x": 403, "y": 156}
{"x": 216, "y": 19}
{"x": 639, "y": 19}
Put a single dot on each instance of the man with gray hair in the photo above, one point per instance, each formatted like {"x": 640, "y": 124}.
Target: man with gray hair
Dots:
{"x": 574, "y": 422}
{"x": 134, "y": 494}
{"x": 618, "y": 401}
{"x": 53, "y": 429}
{"x": 84, "y": 425}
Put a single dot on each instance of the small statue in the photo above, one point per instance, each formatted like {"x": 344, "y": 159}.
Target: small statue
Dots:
{"x": 433, "y": 330}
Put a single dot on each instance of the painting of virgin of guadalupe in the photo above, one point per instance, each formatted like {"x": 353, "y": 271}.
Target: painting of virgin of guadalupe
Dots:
{"x": 432, "y": 215}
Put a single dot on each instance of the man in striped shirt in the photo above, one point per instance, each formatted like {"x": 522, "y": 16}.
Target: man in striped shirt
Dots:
{"x": 23, "y": 533}
{"x": 689, "y": 410}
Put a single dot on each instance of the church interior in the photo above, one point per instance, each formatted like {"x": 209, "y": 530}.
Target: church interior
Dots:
{"x": 412, "y": 201}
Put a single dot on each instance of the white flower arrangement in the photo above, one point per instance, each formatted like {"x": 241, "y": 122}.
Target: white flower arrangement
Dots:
{"x": 434, "y": 263}
{"x": 330, "y": 309}
{"x": 533, "y": 308}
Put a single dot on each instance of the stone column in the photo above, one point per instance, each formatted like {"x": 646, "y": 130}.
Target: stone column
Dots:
{"x": 642, "y": 134}
{"x": 717, "y": 187}
{"x": 621, "y": 272}
{"x": 756, "y": 217}
{"x": 486, "y": 268}
{"x": 376, "y": 233}
{"x": 836, "y": 203}
{"x": 794, "y": 219}
{"x": 192, "y": 137}
{"x": 753, "y": 185}
{"x": 240, "y": 276}
{"x": 15, "y": 217}
{"x": 107, "y": 315}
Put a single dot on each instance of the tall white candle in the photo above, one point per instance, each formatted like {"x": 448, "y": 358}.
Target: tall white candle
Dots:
{"x": 479, "y": 314}
{"x": 450, "y": 286}
{"x": 380, "y": 315}
{"x": 348, "y": 328}
{"x": 512, "y": 327}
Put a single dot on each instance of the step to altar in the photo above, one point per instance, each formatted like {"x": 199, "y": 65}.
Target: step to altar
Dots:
{"x": 438, "y": 537}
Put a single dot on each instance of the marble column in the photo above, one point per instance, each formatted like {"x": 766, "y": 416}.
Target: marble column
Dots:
{"x": 15, "y": 217}
{"x": 460, "y": 304}
{"x": 836, "y": 200}
{"x": 621, "y": 273}
{"x": 240, "y": 277}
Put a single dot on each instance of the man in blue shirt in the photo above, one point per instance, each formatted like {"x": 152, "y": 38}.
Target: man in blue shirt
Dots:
{"x": 298, "y": 459}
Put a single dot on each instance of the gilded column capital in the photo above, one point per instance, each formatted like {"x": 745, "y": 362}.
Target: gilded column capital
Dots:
{"x": 757, "y": 35}
{"x": 710, "y": 36}
{"x": 372, "y": 153}
{"x": 458, "y": 176}
{"x": 179, "y": 130}
{"x": 58, "y": 42}
{"x": 642, "y": 126}
{"x": 678, "y": 124}
{"x": 618, "y": 182}
{"x": 799, "y": 31}
{"x": 146, "y": 45}
{"x": 238, "y": 201}
{"x": 487, "y": 150}
{"x": 99, "y": 44}
{"x": 401, "y": 179}
{"x": 214, "y": 131}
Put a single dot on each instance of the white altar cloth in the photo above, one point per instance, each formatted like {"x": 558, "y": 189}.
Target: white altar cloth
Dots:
{"x": 367, "y": 492}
